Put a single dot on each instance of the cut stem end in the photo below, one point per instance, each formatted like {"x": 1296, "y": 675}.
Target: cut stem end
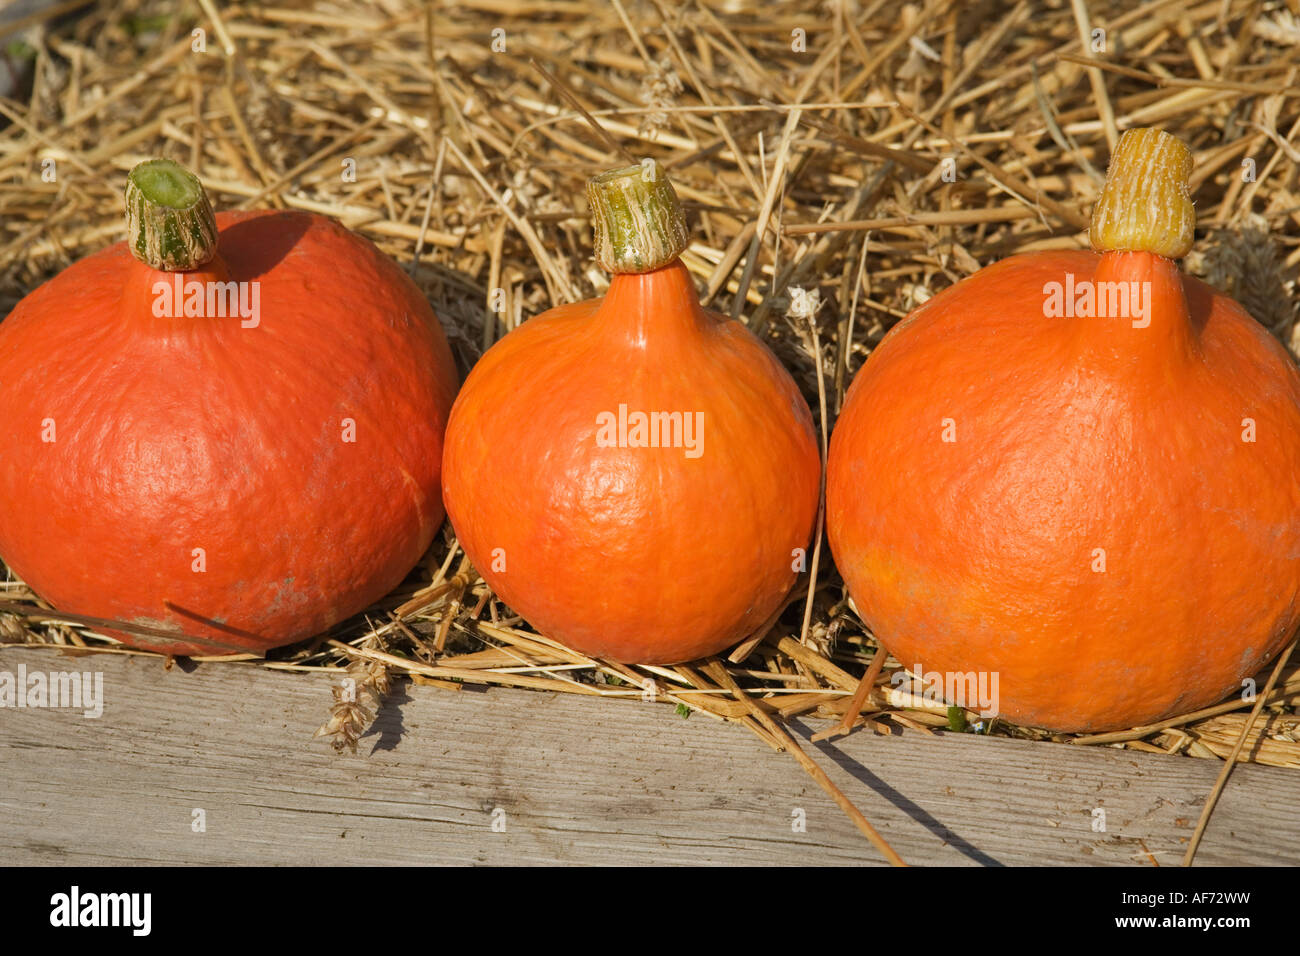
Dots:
{"x": 169, "y": 220}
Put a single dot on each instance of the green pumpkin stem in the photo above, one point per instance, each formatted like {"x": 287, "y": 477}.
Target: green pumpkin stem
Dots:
{"x": 169, "y": 220}
{"x": 637, "y": 220}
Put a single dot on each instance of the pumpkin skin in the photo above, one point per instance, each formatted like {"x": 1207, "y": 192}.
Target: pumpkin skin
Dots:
{"x": 634, "y": 554}
{"x": 1074, "y": 434}
{"x": 174, "y": 434}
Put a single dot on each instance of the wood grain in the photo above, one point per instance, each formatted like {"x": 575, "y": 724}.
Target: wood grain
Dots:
{"x": 575, "y": 780}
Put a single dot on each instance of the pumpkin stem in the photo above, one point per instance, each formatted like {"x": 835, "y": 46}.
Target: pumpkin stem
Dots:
{"x": 1145, "y": 205}
{"x": 636, "y": 219}
{"x": 169, "y": 220}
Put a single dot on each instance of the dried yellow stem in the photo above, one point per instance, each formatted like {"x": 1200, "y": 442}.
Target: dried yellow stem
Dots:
{"x": 1146, "y": 204}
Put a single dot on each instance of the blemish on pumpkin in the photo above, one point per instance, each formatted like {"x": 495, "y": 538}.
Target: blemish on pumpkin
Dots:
{"x": 416, "y": 498}
{"x": 156, "y": 624}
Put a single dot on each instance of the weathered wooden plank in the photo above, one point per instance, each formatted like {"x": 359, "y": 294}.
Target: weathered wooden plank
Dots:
{"x": 575, "y": 780}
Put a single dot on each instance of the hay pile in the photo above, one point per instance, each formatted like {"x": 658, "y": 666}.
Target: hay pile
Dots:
{"x": 870, "y": 152}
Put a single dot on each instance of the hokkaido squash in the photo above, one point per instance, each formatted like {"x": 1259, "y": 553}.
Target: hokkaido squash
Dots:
{"x": 226, "y": 428}
{"x": 635, "y": 475}
{"x": 1078, "y": 474}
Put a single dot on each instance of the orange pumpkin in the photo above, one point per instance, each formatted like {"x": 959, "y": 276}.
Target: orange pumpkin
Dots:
{"x": 636, "y": 476}
{"x": 239, "y": 465}
{"x": 1097, "y": 505}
